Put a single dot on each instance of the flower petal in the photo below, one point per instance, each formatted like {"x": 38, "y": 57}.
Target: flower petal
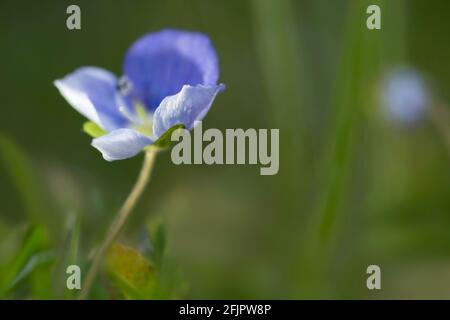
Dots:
{"x": 160, "y": 63}
{"x": 93, "y": 92}
{"x": 121, "y": 144}
{"x": 189, "y": 105}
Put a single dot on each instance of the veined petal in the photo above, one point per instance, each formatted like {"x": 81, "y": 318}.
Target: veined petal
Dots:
{"x": 189, "y": 105}
{"x": 121, "y": 144}
{"x": 93, "y": 92}
{"x": 159, "y": 64}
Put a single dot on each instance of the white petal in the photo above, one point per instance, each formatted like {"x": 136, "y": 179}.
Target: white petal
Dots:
{"x": 121, "y": 144}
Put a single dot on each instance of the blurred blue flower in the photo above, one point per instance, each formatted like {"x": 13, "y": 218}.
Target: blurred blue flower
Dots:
{"x": 405, "y": 95}
{"x": 170, "y": 78}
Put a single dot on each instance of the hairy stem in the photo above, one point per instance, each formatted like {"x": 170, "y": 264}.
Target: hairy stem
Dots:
{"x": 120, "y": 220}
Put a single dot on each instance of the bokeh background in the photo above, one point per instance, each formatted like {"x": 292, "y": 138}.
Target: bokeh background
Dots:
{"x": 354, "y": 188}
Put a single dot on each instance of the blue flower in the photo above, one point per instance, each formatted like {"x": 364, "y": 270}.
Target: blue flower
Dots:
{"x": 170, "y": 78}
{"x": 405, "y": 95}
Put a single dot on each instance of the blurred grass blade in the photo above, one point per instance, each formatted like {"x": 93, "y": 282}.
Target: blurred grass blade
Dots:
{"x": 68, "y": 255}
{"x": 158, "y": 241}
{"x": 23, "y": 176}
{"x": 32, "y": 264}
{"x": 34, "y": 242}
{"x": 74, "y": 236}
{"x": 285, "y": 69}
{"x": 360, "y": 62}
{"x": 281, "y": 61}
{"x": 358, "y": 65}
{"x": 394, "y": 43}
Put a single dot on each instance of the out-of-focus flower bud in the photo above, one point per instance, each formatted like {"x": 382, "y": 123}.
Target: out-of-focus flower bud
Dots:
{"x": 405, "y": 95}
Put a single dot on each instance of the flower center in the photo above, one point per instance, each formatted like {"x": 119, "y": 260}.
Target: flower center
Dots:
{"x": 140, "y": 120}
{"x": 144, "y": 123}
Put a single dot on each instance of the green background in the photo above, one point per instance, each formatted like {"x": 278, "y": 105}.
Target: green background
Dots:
{"x": 353, "y": 189}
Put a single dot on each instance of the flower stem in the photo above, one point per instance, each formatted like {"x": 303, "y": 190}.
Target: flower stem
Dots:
{"x": 121, "y": 218}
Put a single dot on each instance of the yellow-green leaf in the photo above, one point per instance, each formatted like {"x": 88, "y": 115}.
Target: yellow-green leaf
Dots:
{"x": 93, "y": 129}
{"x": 128, "y": 266}
{"x": 164, "y": 140}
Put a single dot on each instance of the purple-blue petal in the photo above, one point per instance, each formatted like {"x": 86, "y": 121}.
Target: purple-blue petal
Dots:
{"x": 189, "y": 105}
{"x": 93, "y": 92}
{"x": 121, "y": 144}
{"x": 159, "y": 64}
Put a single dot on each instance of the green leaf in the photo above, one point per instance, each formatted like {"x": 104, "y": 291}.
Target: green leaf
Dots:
{"x": 93, "y": 129}
{"x": 132, "y": 273}
{"x": 165, "y": 139}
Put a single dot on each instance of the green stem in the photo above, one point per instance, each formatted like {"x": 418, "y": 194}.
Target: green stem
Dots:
{"x": 124, "y": 213}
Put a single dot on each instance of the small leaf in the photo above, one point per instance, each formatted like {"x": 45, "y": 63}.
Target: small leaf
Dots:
{"x": 164, "y": 140}
{"x": 93, "y": 129}
{"x": 131, "y": 268}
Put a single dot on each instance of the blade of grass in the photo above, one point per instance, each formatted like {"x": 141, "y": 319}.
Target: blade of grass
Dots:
{"x": 359, "y": 63}
{"x": 285, "y": 70}
{"x": 23, "y": 176}
{"x": 354, "y": 82}
{"x": 35, "y": 241}
{"x": 69, "y": 254}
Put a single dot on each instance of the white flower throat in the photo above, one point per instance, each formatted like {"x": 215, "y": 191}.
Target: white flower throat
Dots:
{"x": 140, "y": 119}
